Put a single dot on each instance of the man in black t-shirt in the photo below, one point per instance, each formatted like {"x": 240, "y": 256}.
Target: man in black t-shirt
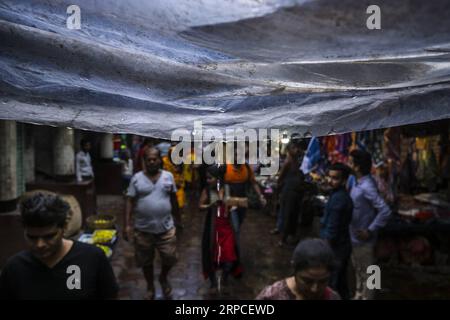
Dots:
{"x": 54, "y": 267}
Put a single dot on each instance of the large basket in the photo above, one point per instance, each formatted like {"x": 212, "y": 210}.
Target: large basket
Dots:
{"x": 101, "y": 221}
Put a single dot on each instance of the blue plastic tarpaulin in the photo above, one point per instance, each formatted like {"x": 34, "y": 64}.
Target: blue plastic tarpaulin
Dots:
{"x": 149, "y": 67}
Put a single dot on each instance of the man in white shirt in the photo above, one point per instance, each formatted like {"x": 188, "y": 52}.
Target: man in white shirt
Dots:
{"x": 83, "y": 162}
{"x": 152, "y": 202}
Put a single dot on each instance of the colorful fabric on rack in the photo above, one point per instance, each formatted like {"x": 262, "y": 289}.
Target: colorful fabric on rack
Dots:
{"x": 312, "y": 156}
{"x": 377, "y": 148}
{"x": 392, "y": 144}
{"x": 428, "y": 168}
{"x": 337, "y": 147}
{"x": 408, "y": 180}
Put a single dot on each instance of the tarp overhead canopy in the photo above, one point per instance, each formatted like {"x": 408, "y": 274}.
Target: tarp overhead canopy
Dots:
{"x": 149, "y": 67}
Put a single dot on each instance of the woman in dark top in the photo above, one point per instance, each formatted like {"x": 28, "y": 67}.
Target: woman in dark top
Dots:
{"x": 290, "y": 182}
{"x": 313, "y": 263}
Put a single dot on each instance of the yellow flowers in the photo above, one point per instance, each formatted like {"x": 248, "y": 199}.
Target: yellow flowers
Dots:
{"x": 103, "y": 236}
{"x": 101, "y": 223}
{"x": 106, "y": 250}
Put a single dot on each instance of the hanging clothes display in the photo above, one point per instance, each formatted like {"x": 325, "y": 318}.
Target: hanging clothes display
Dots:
{"x": 312, "y": 156}
{"x": 377, "y": 148}
{"x": 362, "y": 140}
{"x": 371, "y": 142}
{"x": 428, "y": 168}
{"x": 353, "y": 145}
{"x": 343, "y": 144}
{"x": 392, "y": 144}
{"x": 384, "y": 187}
{"x": 408, "y": 179}
{"x": 337, "y": 147}
{"x": 391, "y": 151}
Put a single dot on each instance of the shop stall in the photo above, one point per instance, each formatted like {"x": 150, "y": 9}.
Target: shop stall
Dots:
{"x": 411, "y": 169}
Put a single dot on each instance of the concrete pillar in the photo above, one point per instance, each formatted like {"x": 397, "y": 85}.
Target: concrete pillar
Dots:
{"x": 8, "y": 160}
{"x": 107, "y": 146}
{"x": 8, "y": 166}
{"x": 63, "y": 153}
{"x": 29, "y": 161}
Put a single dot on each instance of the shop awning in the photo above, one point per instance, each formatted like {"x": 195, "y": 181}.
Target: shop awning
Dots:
{"x": 149, "y": 67}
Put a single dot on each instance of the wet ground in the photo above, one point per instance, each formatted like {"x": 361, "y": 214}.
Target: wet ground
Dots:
{"x": 263, "y": 260}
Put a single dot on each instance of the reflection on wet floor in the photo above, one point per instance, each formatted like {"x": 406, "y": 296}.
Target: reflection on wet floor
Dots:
{"x": 264, "y": 262}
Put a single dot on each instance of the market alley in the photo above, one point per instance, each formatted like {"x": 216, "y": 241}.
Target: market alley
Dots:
{"x": 264, "y": 262}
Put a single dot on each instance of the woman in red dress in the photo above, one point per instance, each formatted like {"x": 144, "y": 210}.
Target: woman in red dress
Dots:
{"x": 219, "y": 249}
